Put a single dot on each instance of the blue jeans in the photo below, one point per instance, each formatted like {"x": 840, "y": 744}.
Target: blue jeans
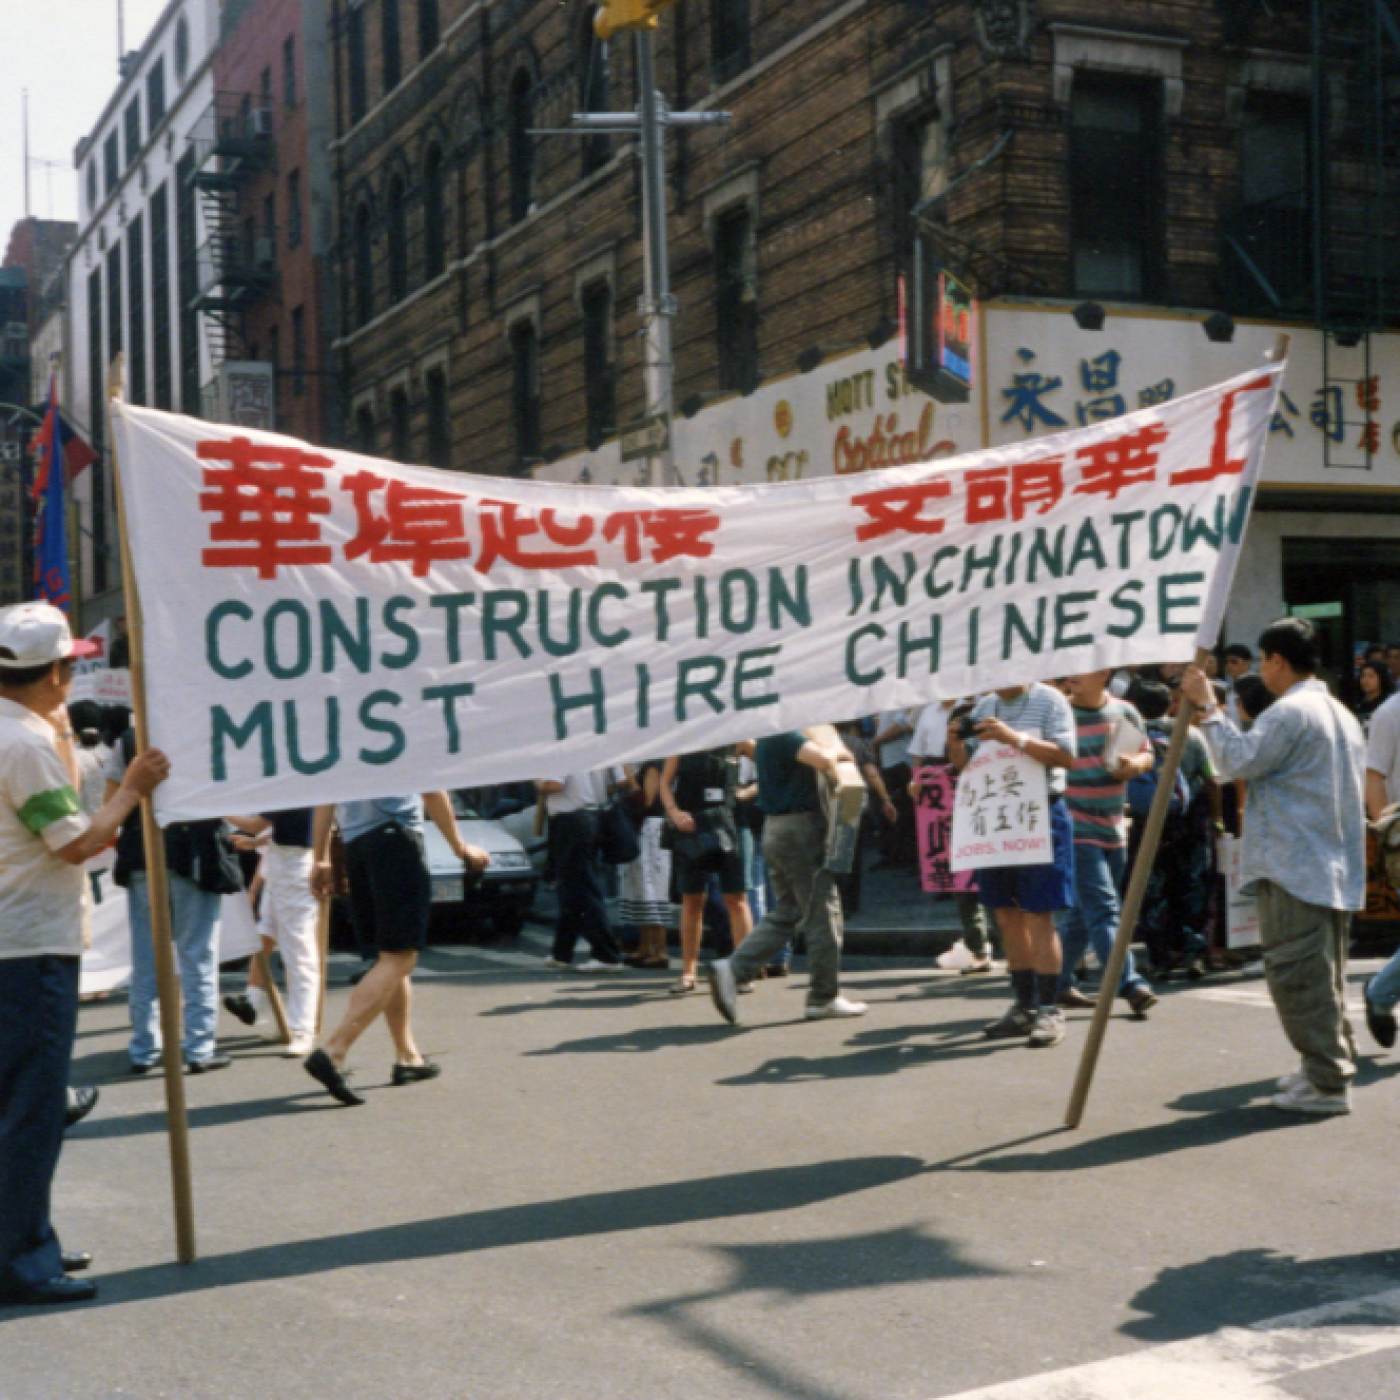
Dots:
{"x": 1098, "y": 880}
{"x": 194, "y": 916}
{"x": 1384, "y": 991}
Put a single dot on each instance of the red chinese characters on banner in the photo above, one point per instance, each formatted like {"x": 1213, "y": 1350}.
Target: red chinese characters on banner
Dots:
{"x": 899, "y": 509}
{"x": 1221, "y": 463}
{"x": 670, "y": 534}
{"x": 416, "y": 524}
{"x": 1011, "y": 493}
{"x": 506, "y": 527}
{"x": 1130, "y": 459}
{"x": 266, "y": 501}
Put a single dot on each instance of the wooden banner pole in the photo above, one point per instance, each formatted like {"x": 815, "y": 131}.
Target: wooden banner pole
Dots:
{"x": 1132, "y": 906}
{"x": 323, "y": 951}
{"x": 274, "y": 997}
{"x": 157, "y": 885}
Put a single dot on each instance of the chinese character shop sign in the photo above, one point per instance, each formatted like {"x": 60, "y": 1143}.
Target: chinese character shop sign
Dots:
{"x": 321, "y": 625}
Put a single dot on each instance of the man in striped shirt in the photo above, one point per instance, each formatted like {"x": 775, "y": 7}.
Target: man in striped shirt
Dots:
{"x": 1095, "y": 792}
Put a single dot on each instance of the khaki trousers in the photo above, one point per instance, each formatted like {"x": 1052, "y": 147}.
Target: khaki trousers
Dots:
{"x": 1305, "y": 959}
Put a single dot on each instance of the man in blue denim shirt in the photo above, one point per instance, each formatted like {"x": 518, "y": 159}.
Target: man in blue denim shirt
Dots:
{"x": 1304, "y": 852}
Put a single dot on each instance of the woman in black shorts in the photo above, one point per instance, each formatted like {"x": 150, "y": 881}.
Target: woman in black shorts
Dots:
{"x": 697, "y": 794}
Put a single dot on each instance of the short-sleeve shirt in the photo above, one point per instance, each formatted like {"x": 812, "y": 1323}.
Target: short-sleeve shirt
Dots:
{"x": 785, "y": 786}
{"x": 582, "y": 792}
{"x": 1383, "y": 746}
{"x": 1095, "y": 797}
{"x": 930, "y": 738}
{"x": 357, "y": 818}
{"x": 895, "y": 751}
{"x": 43, "y": 906}
{"x": 1039, "y": 711}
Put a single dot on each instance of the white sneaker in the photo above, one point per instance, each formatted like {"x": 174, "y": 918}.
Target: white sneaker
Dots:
{"x": 593, "y": 966}
{"x": 266, "y": 1028}
{"x": 1305, "y": 1098}
{"x": 1286, "y": 1083}
{"x": 555, "y": 965}
{"x": 835, "y": 1009}
{"x": 299, "y": 1046}
{"x": 956, "y": 958}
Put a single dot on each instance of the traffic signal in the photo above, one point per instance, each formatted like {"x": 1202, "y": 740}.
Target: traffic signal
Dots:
{"x": 616, "y": 15}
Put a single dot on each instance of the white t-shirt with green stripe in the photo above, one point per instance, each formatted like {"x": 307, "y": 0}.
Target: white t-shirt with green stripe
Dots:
{"x": 43, "y": 900}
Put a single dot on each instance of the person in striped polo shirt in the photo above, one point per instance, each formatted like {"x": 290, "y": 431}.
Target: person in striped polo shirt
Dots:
{"x": 1095, "y": 793}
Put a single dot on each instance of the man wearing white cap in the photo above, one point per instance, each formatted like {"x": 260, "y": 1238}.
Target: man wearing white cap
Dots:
{"x": 44, "y": 839}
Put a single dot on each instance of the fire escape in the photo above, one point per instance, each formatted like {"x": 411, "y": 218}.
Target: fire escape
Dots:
{"x": 236, "y": 264}
{"x": 1356, "y": 210}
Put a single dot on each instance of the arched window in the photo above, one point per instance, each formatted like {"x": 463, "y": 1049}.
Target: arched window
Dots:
{"x": 390, "y": 50}
{"x": 729, "y": 38}
{"x": 593, "y": 90}
{"x": 521, "y": 148}
{"x": 400, "y": 436}
{"x": 364, "y": 264}
{"x": 398, "y": 240}
{"x": 434, "y": 215}
{"x": 364, "y": 428}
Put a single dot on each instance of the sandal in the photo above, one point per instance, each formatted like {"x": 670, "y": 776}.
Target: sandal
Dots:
{"x": 681, "y": 987}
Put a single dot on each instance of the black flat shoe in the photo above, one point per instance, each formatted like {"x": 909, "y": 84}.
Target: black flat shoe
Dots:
{"x": 60, "y": 1289}
{"x": 319, "y": 1065}
{"x": 136, "y": 1067}
{"x": 208, "y": 1065}
{"x": 409, "y": 1074}
{"x": 81, "y": 1102}
{"x": 76, "y": 1260}
{"x": 238, "y": 1005}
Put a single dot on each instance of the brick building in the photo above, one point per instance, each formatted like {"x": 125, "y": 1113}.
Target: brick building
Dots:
{"x": 264, "y": 184}
{"x": 1139, "y": 195}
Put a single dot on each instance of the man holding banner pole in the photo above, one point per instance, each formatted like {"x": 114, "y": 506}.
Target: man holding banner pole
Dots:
{"x": 45, "y": 838}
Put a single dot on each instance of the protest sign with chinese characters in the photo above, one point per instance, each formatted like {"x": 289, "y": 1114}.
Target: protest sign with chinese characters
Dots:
{"x": 933, "y": 820}
{"x": 1002, "y": 813}
{"x": 321, "y": 625}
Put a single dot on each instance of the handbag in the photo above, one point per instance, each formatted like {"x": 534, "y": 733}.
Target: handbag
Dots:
{"x": 617, "y": 837}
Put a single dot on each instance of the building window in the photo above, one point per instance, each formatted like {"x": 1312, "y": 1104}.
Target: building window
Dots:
{"x": 136, "y": 307}
{"x": 355, "y": 60}
{"x": 736, "y": 300}
{"x": 593, "y": 91}
{"x": 439, "y": 421}
{"x": 364, "y": 428}
{"x": 155, "y": 94}
{"x": 187, "y": 278}
{"x": 1115, "y": 177}
{"x": 298, "y": 350}
{"x": 397, "y": 216}
{"x": 434, "y": 231}
{"x": 289, "y": 71}
{"x": 364, "y": 265}
{"x": 294, "y": 208}
{"x": 182, "y": 49}
{"x": 400, "y": 437}
{"x": 525, "y": 391}
{"x": 599, "y": 378}
{"x": 1273, "y": 227}
{"x": 274, "y": 350}
{"x": 266, "y": 251}
{"x": 521, "y": 150}
{"x": 162, "y": 383}
{"x": 390, "y": 53}
{"x": 265, "y": 90}
{"x": 91, "y": 185}
{"x": 111, "y": 163}
{"x": 429, "y": 30}
{"x": 114, "y": 302}
{"x": 729, "y": 38}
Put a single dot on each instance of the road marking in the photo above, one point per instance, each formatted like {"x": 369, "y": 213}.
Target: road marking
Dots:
{"x": 1235, "y": 1363}
{"x": 1259, "y": 996}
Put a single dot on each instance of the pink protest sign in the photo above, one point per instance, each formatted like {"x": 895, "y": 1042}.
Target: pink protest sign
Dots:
{"x": 933, "y": 817}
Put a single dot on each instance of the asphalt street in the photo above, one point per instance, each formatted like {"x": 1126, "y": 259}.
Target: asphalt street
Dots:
{"x": 609, "y": 1193}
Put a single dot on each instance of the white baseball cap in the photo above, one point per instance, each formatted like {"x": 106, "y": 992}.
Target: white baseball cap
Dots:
{"x": 36, "y": 634}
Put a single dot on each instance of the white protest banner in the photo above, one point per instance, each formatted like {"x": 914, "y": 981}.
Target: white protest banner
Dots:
{"x": 1002, "y": 812}
{"x": 321, "y": 625}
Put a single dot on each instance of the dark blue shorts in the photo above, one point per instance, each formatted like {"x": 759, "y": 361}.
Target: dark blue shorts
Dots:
{"x": 1038, "y": 889}
{"x": 390, "y": 890}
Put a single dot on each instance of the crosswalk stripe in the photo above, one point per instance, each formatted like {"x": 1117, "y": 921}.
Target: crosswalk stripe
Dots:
{"x": 1235, "y": 1363}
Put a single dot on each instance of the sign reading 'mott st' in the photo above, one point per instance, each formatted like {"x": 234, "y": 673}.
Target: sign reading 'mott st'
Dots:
{"x": 320, "y": 624}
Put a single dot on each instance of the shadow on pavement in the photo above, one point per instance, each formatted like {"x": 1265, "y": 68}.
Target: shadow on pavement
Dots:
{"x": 734, "y": 1195}
{"x": 1249, "y": 1285}
{"x": 879, "y": 1060}
{"x": 785, "y": 1273}
{"x": 580, "y": 1003}
{"x": 212, "y": 1115}
{"x": 639, "y": 1041}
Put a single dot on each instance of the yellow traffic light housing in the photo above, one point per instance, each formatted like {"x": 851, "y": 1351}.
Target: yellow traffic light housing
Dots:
{"x": 616, "y": 15}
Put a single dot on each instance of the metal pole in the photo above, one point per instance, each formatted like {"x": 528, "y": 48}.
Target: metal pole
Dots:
{"x": 658, "y": 306}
